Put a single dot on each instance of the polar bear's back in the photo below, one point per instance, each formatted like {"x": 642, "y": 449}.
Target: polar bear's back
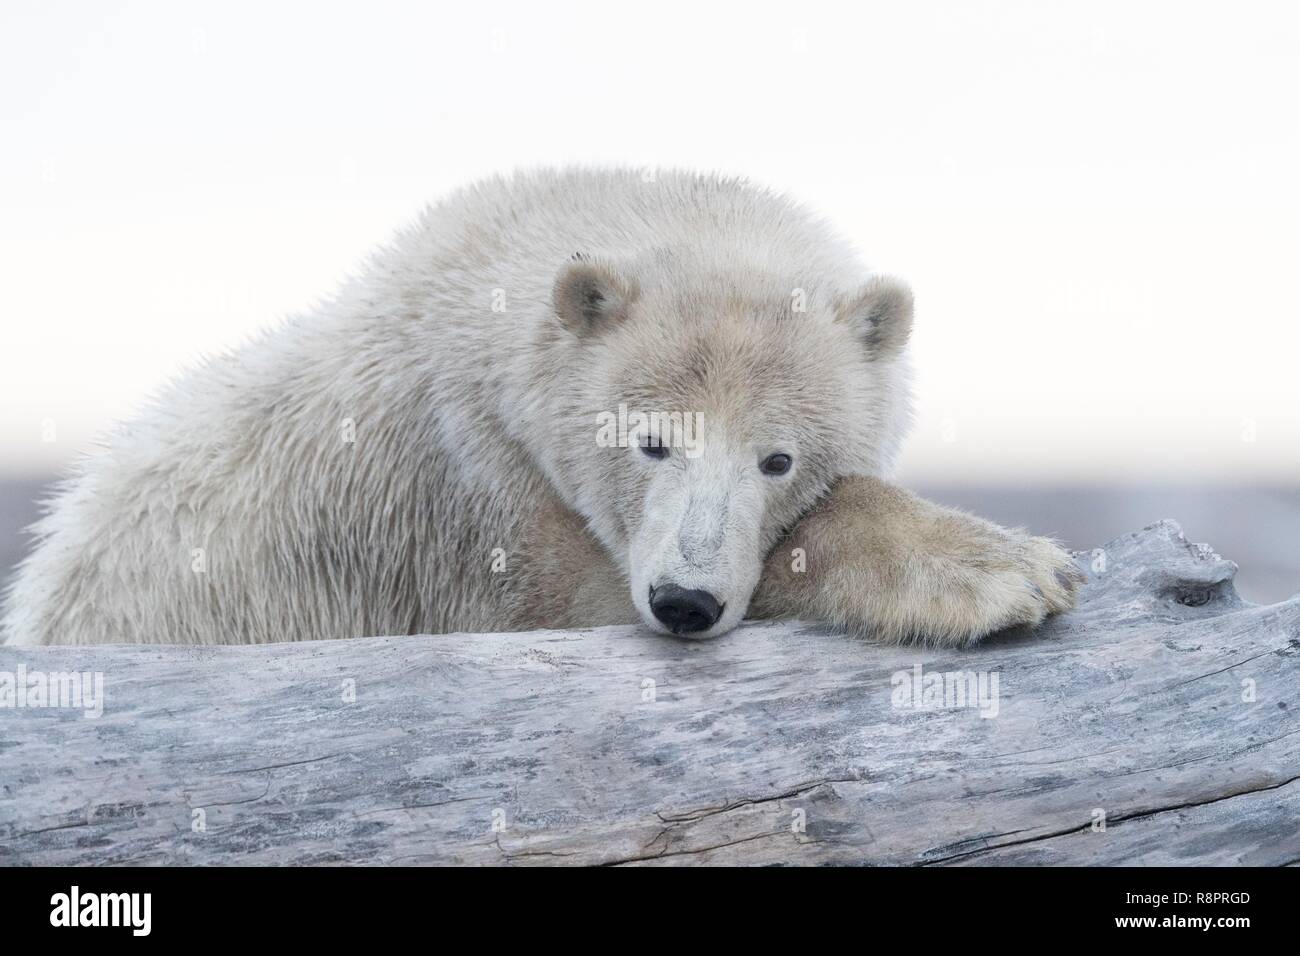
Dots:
{"x": 531, "y": 220}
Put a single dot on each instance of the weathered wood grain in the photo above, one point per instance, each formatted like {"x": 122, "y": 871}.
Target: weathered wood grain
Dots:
{"x": 555, "y": 747}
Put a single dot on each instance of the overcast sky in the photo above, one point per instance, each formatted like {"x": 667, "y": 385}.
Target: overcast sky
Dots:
{"x": 1096, "y": 204}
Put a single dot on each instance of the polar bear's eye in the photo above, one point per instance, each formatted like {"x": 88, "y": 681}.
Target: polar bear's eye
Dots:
{"x": 777, "y": 464}
{"x": 653, "y": 448}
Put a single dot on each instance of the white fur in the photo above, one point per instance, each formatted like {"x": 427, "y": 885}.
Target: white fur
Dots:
{"x": 466, "y": 420}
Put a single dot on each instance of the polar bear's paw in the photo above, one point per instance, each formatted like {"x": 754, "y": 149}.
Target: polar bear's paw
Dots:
{"x": 992, "y": 580}
{"x": 886, "y": 564}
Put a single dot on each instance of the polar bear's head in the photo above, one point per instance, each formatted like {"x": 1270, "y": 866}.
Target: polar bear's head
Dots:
{"x": 705, "y": 410}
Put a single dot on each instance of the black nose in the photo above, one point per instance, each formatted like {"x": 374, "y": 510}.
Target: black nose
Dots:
{"x": 684, "y": 611}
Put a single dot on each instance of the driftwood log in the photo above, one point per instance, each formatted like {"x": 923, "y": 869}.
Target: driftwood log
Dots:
{"x": 1156, "y": 725}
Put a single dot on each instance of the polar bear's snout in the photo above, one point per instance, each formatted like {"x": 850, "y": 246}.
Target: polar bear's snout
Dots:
{"x": 695, "y": 554}
{"x": 684, "y": 610}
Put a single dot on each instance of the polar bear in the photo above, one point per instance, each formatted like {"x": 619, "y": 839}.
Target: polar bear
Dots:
{"x": 566, "y": 398}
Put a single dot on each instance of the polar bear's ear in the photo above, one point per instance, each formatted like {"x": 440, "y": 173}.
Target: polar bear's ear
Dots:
{"x": 590, "y": 296}
{"x": 881, "y": 313}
